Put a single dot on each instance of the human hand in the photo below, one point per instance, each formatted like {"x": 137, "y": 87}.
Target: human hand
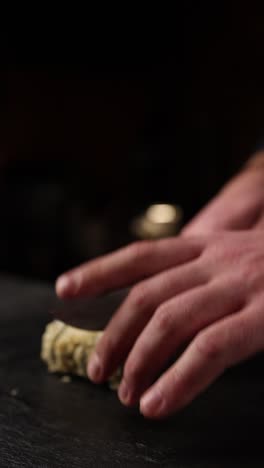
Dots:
{"x": 202, "y": 292}
{"x": 238, "y": 206}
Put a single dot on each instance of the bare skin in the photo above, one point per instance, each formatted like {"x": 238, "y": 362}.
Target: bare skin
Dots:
{"x": 199, "y": 296}
{"x": 239, "y": 205}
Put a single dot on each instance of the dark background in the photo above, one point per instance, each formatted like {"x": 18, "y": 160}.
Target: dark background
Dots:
{"x": 98, "y": 122}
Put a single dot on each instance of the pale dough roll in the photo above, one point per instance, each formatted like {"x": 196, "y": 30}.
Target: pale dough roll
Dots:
{"x": 66, "y": 349}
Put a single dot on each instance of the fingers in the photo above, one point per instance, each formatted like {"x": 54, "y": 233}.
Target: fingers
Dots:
{"x": 217, "y": 347}
{"x": 126, "y": 266}
{"x": 125, "y": 326}
{"x": 174, "y": 323}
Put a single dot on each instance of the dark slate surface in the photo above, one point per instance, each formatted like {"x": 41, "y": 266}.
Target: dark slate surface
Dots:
{"x": 47, "y": 423}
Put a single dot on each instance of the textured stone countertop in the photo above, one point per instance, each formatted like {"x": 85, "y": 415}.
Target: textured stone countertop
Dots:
{"x": 45, "y": 422}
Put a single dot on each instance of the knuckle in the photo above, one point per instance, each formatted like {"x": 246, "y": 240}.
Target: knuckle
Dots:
{"x": 218, "y": 249}
{"x": 209, "y": 346}
{"x": 94, "y": 270}
{"x": 139, "y": 296}
{"x": 209, "y": 252}
{"x": 252, "y": 271}
{"x": 247, "y": 271}
{"x": 164, "y": 319}
{"x": 140, "y": 250}
{"x": 132, "y": 370}
{"x": 105, "y": 347}
{"x": 177, "y": 376}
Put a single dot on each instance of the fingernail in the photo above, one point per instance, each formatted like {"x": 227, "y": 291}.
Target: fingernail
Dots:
{"x": 151, "y": 402}
{"x": 66, "y": 285}
{"x": 123, "y": 392}
{"x": 94, "y": 369}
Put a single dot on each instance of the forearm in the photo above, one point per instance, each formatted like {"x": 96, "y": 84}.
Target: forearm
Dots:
{"x": 239, "y": 205}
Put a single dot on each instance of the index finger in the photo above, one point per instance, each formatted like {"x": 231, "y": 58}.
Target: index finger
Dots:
{"x": 127, "y": 266}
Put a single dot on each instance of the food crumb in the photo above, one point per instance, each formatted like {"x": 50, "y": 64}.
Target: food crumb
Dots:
{"x": 66, "y": 379}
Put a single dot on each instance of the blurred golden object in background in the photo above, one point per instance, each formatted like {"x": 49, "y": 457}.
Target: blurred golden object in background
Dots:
{"x": 158, "y": 221}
